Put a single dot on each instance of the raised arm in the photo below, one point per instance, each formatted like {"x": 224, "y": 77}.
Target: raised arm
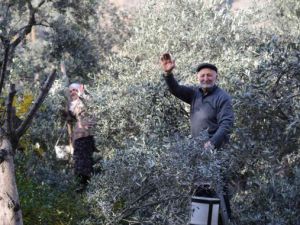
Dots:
{"x": 182, "y": 92}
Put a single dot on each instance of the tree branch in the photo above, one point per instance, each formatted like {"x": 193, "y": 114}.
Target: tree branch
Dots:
{"x": 44, "y": 91}
{"x": 290, "y": 97}
{"x": 282, "y": 115}
{"x": 125, "y": 211}
{"x": 27, "y": 29}
{"x": 5, "y": 20}
{"x": 129, "y": 211}
{"x": 141, "y": 196}
{"x": 21, "y": 34}
{"x": 4, "y": 65}
{"x": 30, "y": 7}
{"x": 31, "y": 21}
{"x": 278, "y": 108}
{"x": 41, "y": 3}
{"x": 275, "y": 86}
{"x": 3, "y": 39}
{"x": 9, "y": 110}
{"x": 42, "y": 24}
{"x": 10, "y": 47}
{"x": 30, "y": 24}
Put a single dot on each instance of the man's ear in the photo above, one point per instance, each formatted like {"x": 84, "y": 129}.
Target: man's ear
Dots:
{"x": 217, "y": 76}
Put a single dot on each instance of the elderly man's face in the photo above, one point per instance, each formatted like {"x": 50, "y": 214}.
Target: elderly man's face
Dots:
{"x": 207, "y": 78}
{"x": 74, "y": 93}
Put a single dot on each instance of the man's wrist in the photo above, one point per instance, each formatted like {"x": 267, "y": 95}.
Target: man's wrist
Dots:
{"x": 209, "y": 145}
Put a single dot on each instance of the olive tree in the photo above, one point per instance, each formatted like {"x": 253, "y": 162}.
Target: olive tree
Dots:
{"x": 35, "y": 37}
{"x": 259, "y": 66}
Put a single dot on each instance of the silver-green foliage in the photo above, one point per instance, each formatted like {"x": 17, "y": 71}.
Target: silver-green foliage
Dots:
{"x": 150, "y": 184}
{"x": 259, "y": 65}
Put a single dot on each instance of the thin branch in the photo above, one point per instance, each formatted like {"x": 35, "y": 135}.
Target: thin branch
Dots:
{"x": 20, "y": 36}
{"x": 19, "y": 31}
{"x": 8, "y": 7}
{"x": 32, "y": 12}
{"x": 34, "y": 9}
{"x": 4, "y": 66}
{"x": 5, "y": 16}
{"x": 27, "y": 29}
{"x": 131, "y": 210}
{"x": 40, "y": 99}
{"x": 141, "y": 196}
{"x": 136, "y": 200}
{"x": 275, "y": 86}
{"x": 278, "y": 80}
{"x": 182, "y": 109}
{"x": 31, "y": 22}
{"x": 282, "y": 115}
{"x": 290, "y": 97}
{"x": 30, "y": 7}
{"x": 9, "y": 110}
{"x": 41, "y": 3}
{"x": 3, "y": 39}
{"x": 42, "y": 24}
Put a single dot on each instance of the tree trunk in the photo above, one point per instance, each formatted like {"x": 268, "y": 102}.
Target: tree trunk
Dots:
{"x": 10, "y": 211}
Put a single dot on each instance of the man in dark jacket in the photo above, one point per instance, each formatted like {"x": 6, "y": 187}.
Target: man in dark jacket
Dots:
{"x": 211, "y": 107}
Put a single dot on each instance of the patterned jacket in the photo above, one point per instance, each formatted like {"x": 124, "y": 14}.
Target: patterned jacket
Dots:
{"x": 84, "y": 122}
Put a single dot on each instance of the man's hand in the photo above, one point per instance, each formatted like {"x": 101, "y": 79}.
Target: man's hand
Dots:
{"x": 167, "y": 63}
{"x": 208, "y": 145}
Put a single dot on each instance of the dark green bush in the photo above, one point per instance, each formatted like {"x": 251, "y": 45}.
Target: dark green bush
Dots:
{"x": 47, "y": 194}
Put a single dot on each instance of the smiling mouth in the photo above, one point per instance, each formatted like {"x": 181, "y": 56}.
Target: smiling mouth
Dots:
{"x": 207, "y": 83}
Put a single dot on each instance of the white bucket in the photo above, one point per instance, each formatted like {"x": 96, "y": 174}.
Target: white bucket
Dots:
{"x": 205, "y": 211}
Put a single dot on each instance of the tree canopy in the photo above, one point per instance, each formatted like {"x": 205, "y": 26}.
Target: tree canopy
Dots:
{"x": 257, "y": 53}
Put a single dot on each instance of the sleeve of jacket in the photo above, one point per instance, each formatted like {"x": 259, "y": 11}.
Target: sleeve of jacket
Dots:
{"x": 180, "y": 91}
{"x": 225, "y": 118}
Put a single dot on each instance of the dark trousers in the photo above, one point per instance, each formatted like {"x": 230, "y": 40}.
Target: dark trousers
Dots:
{"x": 83, "y": 157}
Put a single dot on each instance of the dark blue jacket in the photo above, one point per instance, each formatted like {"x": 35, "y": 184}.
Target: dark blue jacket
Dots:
{"x": 212, "y": 112}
